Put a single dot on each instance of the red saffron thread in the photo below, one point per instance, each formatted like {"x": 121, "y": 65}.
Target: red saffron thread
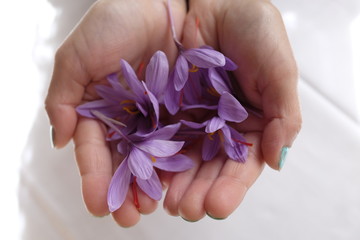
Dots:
{"x": 111, "y": 134}
{"x": 245, "y": 143}
{"x": 134, "y": 190}
{"x": 140, "y": 69}
{"x": 197, "y": 24}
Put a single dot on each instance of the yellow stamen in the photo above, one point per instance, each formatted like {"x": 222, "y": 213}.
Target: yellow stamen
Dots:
{"x": 128, "y": 101}
{"x": 213, "y": 92}
{"x": 131, "y": 110}
{"x": 153, "y": 159}
{"x": 210, "y": 136}
{"x": 193, "y": 69}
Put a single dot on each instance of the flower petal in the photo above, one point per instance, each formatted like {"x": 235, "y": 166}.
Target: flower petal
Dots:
{"x": 103, "y": 106}
{"x": 157, "y": 73}
{"x": 204, "y": 58}
{"x": 236, "y": 151}
{"x": 230, "y": 109}
{"x": 194, "y": 124}
{"x": 217, "y": 81}
{"x": 160, "y": 148}
{"x": 132, "y": 80}
{"x": 229, "y": 65}
{"x": 165, "y": 133}
{"x": 176, "y": 163}
{"x": 214, "y": 124}
{"x": 172, "y": 98}
{"x": 211, "y": 146}
{"x": 119, "y": 186}
{"x": 181, "y": 72}
{"x": 140, "y": 164}
{"x": 152, "y": 186}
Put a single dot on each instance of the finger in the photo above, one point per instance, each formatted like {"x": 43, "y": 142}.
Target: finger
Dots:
{"x": 127, "y": 215}
{"x": 267, "y": 73}
{"x": 234, "y": 180}
{"x": 180, "y": 183}
{"x": 95, "y": 165}
{"x": 191, "y": 206}
{"x": 65, "y": 92}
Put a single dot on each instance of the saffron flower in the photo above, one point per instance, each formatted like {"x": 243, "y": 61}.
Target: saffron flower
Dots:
{"x": 138, "y": 108}
{"x": 142, "y": 155}
{"x": 217, "y": 130}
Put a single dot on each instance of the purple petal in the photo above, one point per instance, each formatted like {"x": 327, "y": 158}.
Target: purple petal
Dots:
{"x": 236, "y": 151}
{"x": 217, "y": 81}
{"x": 152, "y": 186}
{"x": 166, "y": 132}
{"x": 214, "y": 124}
{"x": 160, "y": 148}
{"x": 194, "y": 124}
{"x": 227, "y": 135}
{"x": 172, "y": 99}
{"x": 229, "y": 65}
{"x": 154, "y": 105}
{"x": 181, "y": 72}
{"x": 204, "y": 106}
{"x": 103, "y": 106}
{"x": 116, "y": 85}
{"x": 176, "y": 163}
{"x": 230, "y": 109}
{"x": 132, "y": 80}
{"x": 140, "y": 164}
{"x": 211, "y": 146}
{"x": 205, "y": 58}
{"x": 119, "y": 186}
{"x": 157, "y": 73}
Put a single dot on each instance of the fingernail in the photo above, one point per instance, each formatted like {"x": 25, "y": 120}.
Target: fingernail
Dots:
{"x": 190, "y": 221}
{"x": 52, "y": 136}
{"x": 209, "y": 215}
{"x": 283, "y": 154}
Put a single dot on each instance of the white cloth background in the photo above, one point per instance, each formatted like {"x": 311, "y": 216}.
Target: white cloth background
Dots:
{"x": 316, "y": 196}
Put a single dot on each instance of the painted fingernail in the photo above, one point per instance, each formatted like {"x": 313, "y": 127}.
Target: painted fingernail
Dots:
{"x": 52, "y": 136}
{"x": 283, "y": 154}
{"x": 190, "y": 221}
{"x": 209, "y": 215}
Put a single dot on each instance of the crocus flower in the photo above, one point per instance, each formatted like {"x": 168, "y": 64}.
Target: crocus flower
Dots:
{"x": 229, "y": 109}
{"x": 139, "y": 107}
{"x": 142, "y": 155}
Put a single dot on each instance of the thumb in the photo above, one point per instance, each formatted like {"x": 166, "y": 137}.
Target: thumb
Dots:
{"x": 282, "y": 112}
{"x": 65, "y": 93}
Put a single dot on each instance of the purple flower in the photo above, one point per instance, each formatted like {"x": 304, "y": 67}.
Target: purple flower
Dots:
{"x": 139, "y": 107}
{"x": 142, "y": 155}
{"x": 228, "y": 109}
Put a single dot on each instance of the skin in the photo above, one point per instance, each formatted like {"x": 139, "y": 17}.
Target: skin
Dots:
{"x": 249, "y": 32}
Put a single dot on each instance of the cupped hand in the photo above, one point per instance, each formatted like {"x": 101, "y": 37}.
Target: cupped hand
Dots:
{"x": 252, "y": 34}
{"x": 111, "y": 30}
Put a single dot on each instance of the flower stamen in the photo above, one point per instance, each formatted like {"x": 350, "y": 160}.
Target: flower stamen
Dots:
{"x": 193, "y": 69}
{"x": 153, "y": 159}
{"x": 242, "y": 142}
{"x": 212, "y": 91}
{"x": 131, "y": 110}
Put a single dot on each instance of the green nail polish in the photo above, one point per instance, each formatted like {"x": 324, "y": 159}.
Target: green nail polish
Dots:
{"x": 52, "y": 136}
{"x": 215, "y": 217}
{"x": 188, "y": 220}
{"x": 283, "y": 154}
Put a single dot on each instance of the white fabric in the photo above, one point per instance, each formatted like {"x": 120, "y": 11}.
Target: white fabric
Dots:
{"x": 315, "y": 196}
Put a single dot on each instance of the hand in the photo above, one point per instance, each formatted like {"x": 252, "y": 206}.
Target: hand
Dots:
{"x": 251, "y": 33}
{"x": 111, "y": 30}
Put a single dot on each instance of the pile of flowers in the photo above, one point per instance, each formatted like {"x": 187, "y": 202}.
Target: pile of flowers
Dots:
{"x": 131, "y": 109}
